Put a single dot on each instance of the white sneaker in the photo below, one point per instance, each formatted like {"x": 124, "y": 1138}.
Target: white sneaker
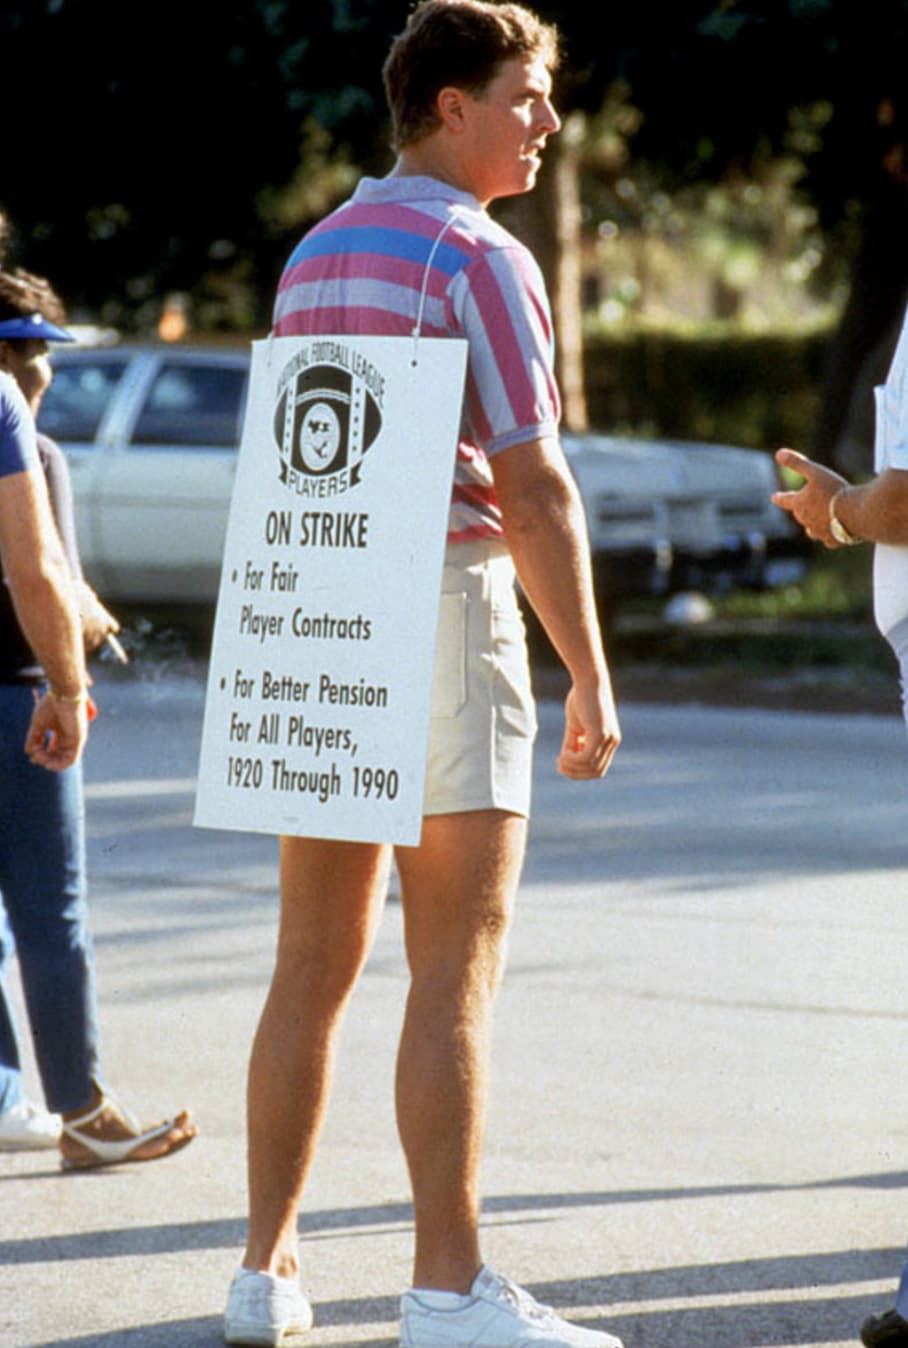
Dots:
{"x": 28, "y": 1127}
{"x": 263, "y": 1309}
{"x": 496, "y": 1314}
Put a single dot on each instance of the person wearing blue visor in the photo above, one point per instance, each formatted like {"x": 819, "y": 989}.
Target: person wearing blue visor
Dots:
{"x": 32, "y": 328}
{"x": 24, "y": 353}
{"x": 42, "y": 853}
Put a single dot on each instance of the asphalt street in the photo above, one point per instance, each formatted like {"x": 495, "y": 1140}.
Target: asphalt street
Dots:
{"x": 699, "y": 1131}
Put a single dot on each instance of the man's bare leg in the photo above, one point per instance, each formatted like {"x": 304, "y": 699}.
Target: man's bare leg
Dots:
{"x": 458, "y": 889}
{"x": 331, "y": 898}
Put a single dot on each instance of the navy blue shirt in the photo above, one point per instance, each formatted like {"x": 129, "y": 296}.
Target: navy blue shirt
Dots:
{"x": 18, "y": 449}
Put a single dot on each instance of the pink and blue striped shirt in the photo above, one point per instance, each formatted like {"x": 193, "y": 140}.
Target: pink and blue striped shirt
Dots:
{"x": 363, "y": 270}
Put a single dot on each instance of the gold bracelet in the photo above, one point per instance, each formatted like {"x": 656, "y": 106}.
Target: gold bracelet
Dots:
{"x": 837, "y": 528}
{"x": 63, "y": 697}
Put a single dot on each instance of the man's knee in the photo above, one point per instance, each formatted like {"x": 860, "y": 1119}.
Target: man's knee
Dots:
{"x": 463, "y": 960}
{"x": 331, "y": 895}
{"x": 321, "y": 974}
{"x": 490, "y": 941}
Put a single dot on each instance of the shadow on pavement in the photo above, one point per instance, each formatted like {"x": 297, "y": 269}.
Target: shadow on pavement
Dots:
{"x": 827, "y": 1320}
{"x": 767, "y": 1318}
{"x": 166, "y": 1238}
{"x": 831, "y": 1320}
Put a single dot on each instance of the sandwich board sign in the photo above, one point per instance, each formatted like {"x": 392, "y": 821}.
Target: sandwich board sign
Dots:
{"x": 320, "y": 678}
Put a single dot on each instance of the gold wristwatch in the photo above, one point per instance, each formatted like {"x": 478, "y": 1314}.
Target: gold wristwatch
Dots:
{"x": 837, "y": 528}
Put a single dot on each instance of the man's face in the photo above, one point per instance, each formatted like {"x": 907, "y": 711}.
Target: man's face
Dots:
{"x": 506, "y": 127}
{"x": 26, "y": 359}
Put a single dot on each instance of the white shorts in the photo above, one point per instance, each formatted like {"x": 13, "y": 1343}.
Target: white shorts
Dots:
{"x": 483, "y": 716}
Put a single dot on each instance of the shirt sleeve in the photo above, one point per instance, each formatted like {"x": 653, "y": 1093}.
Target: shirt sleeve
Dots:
{"x": 503, "y": 311}
{"x": 59, "y": 487}
{"x": 891, "y": 438}
{"x": 18, "y": 448}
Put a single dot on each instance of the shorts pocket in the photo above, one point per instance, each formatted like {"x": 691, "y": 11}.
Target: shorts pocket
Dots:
{"x": 516, "y": 709}
{"x": 449, "y": 684}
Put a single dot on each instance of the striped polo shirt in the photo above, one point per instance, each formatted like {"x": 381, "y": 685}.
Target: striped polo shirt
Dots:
{"x": 404, "y": 247}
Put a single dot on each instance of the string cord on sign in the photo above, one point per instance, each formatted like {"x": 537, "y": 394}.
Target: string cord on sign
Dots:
{"x": 416, "y": 330}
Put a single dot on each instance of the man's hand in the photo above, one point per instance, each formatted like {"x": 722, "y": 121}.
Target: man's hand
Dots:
{"x": 810, "y": 503}
{"x": 591, "y": 735}
{"x": 97, "y": 622}
{"x": 57, "y": 733}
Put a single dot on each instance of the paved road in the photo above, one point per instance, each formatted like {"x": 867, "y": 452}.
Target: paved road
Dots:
{"x": 699, "y": 1136}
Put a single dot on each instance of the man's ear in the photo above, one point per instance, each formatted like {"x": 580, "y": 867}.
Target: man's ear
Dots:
{"x": 450, "y": 104}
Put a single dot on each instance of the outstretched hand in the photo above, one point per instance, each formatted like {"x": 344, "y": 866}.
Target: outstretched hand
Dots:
{"x": 810, "y": 504}
{"x": 591, "y": 735}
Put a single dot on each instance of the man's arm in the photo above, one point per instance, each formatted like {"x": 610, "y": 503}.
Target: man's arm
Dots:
{"x": 874, "y": 512}
{"x": 545, "y": 526}
{"x": 98, "y": 623}
{"x": 39, "y": 580}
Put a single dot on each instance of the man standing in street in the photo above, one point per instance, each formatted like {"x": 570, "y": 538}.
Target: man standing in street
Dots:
{"x": 43, "y": 714}
{"x": 838, "y": 514}
{"x": 469, "y": 87}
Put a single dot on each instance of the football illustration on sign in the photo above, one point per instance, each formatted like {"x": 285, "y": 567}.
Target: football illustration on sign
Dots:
{"x": 325, "y": 419}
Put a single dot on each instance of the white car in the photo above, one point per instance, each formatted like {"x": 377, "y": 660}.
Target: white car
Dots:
{"x": 150, "y": 433}
{"x": 704, "y": 512}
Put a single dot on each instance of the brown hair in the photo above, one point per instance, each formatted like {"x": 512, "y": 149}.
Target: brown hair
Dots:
{"x": 22, "y": 294}
{"x": 460, "y": 43}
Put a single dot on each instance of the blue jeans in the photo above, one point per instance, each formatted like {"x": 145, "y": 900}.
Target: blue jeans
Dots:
{"x": 42, "y": 886}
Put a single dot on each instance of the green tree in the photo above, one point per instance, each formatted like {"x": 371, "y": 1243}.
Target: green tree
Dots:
{"x": 181, "y": 146}
{"x": 720, "y": 84}
{"x": 165, "y": 128}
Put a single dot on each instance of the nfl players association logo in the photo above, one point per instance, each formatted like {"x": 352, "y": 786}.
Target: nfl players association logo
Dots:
{"x": 328, "y": 414}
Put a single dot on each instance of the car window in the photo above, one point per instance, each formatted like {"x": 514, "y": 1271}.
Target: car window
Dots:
{"x": 78, "y": 397}
{"x": 192, "y": 405}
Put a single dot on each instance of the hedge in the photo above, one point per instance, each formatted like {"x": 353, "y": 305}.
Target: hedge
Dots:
{"x": 756, "y": 390}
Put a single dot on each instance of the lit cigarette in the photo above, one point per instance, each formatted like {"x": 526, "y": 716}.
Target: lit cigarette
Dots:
{"x": 117, "y": 649}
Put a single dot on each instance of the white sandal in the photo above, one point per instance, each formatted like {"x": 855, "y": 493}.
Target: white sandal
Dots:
{"x": 106, "y": 1152}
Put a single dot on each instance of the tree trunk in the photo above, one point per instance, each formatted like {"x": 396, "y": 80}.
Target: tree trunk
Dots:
{"x": 865, "y": 339}
{"x": 548, "y": 221}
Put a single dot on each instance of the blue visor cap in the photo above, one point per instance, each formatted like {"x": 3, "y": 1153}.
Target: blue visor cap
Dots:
{"x": 33, "y": 326}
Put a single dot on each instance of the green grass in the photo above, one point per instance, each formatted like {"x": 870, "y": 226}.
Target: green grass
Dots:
{"x": 838, "y": 586}
{"x": 822, "y": 626}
